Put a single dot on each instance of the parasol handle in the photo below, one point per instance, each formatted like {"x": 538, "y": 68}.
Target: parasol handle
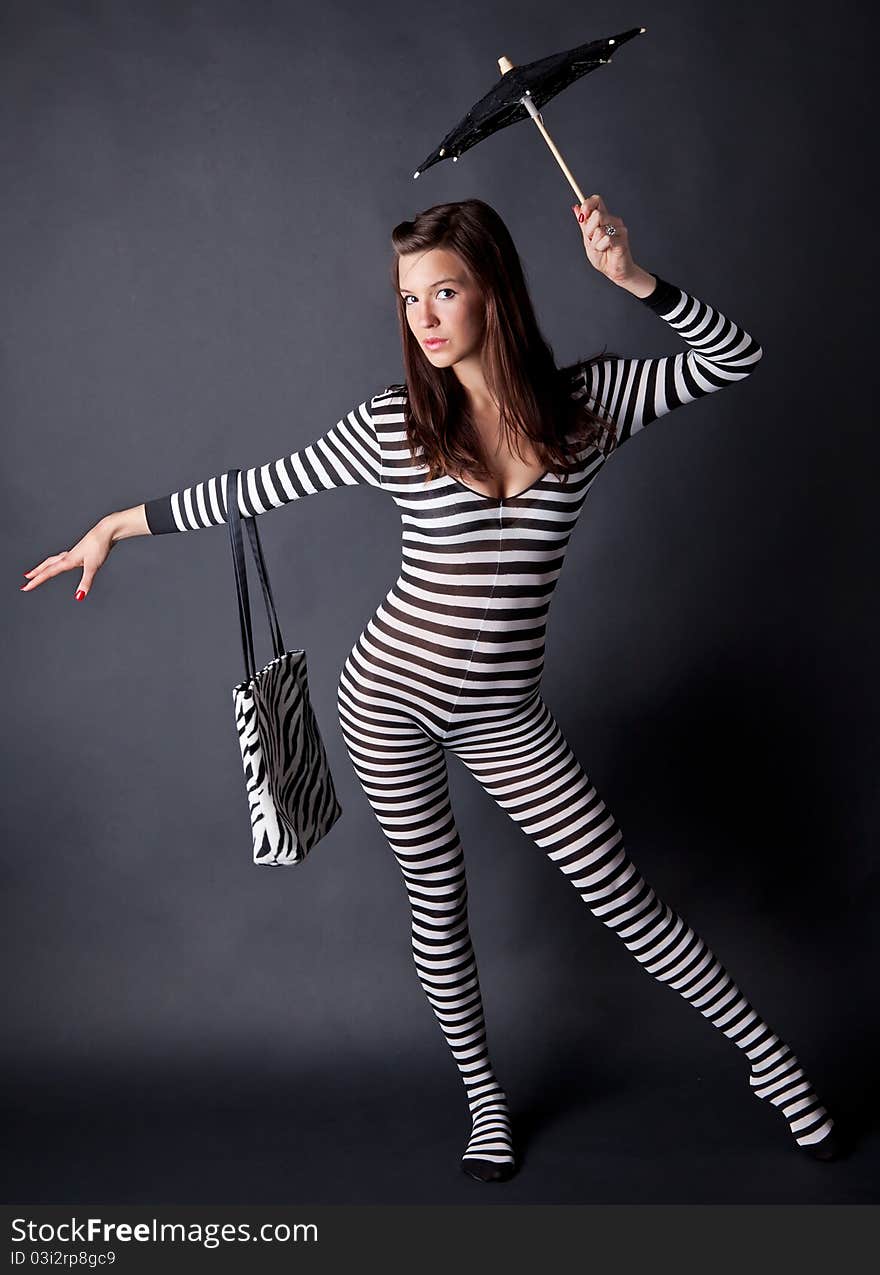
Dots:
{"x": 505, "y": 65}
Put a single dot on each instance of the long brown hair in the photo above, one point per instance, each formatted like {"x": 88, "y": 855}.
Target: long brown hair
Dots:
{"x": 534, "y": 395}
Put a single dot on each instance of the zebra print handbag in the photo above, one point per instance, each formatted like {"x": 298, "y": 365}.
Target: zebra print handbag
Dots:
{"x": 290, "y": 789}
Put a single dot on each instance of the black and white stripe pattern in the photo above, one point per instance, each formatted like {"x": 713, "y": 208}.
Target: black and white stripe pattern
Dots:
{"x": 451, "y": 661}
{"x": 346, "y": 455}
{"x": 289, "y": 785}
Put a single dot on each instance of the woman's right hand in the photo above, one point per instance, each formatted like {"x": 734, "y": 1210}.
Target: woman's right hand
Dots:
{"x": 88, "y": 554}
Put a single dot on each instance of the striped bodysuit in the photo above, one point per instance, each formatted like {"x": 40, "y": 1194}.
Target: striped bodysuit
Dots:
{"x": 451, "y": 660}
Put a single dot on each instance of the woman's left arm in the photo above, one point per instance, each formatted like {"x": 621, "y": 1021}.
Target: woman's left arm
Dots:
{"x": 635, "y": 391}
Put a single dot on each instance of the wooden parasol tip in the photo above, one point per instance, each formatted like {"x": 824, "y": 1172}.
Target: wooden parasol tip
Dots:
{"x": 504, "y": 65}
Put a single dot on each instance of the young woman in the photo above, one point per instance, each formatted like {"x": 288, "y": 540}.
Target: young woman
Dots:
{"x": 489, "y": 451}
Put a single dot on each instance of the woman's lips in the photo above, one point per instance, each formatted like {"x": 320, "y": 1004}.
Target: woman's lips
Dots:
{"x": 434, "y": 343}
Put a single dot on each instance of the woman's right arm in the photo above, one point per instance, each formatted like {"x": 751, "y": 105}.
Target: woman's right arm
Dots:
{"x": 347, "y": 454}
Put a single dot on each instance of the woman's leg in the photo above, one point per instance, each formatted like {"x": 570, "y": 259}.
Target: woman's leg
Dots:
{"x": 403, "y": 773}
{"x": 526, "y": 764}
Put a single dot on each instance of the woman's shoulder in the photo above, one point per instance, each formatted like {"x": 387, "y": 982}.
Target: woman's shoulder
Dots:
{"x": 572, "y": 380}
{"x": 574, "y": 374}
{"x": 395, "y": 390}
{"x": 389, "y": 401}
{"x": 387, "y": 409}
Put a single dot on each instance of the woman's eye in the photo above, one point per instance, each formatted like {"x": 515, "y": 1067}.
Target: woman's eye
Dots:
{"x": 406, "y": 299}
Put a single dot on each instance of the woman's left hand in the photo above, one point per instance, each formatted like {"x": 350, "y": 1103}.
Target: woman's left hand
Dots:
{"x": 610, "y": 254}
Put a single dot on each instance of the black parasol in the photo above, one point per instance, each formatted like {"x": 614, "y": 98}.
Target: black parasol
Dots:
{"x": 521, "y": 91}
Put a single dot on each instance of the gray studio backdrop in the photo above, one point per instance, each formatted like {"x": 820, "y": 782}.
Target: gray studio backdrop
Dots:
{"x": 195, "y": 238}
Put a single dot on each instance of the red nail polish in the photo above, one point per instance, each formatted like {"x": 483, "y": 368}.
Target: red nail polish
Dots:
{"x": 580, "y": 216}
{"x": 79, "y": 595}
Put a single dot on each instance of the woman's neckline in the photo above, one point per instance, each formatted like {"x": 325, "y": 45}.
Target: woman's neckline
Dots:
{"x": 499, "y": 500}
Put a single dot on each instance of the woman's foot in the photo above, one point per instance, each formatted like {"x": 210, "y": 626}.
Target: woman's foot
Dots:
{"x": 834, "y": 1146}
{"x": 488, "y": 1156}
{"x": 487, "y": 1170}
{"x": 779, "y": 1079}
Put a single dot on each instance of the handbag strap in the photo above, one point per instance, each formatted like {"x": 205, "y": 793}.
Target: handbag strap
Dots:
{"x": 233, "y": 518}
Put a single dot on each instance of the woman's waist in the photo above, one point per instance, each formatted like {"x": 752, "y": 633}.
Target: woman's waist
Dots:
{"x": 454, "y": 621}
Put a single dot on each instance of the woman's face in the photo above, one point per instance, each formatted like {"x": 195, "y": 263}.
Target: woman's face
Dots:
{"x": 442, "y": 302}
